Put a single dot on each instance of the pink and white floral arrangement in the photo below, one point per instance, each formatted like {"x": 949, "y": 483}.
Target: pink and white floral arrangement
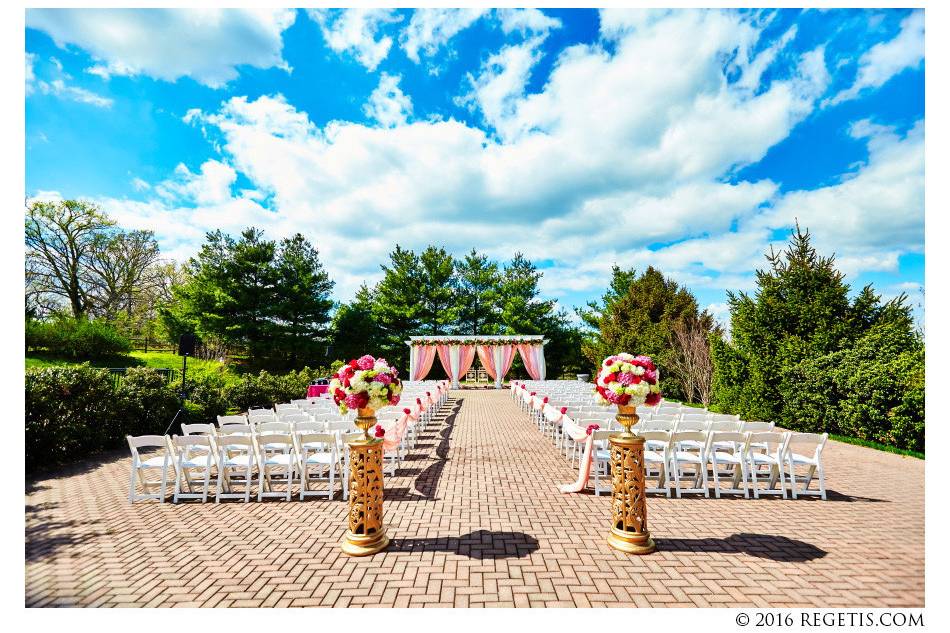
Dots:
{"x": 625, "y": 379}
{"x": 366, "y": 382}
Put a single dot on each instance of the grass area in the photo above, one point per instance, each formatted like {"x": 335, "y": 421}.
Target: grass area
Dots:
{"x": 155, "y": 360}
{"x": 875, "y": 445}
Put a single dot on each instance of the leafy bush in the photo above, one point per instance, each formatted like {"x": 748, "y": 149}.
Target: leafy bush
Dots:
{"x": 70, "y": 413}
{"x": 873, "y": 391}
{"x": 75, "y": 411}
{"x": 144, "y": 404}
{"x": 72, "y": 338}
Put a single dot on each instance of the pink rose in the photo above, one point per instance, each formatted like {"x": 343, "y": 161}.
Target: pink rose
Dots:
{"x": 357, "y": 400}
{"x": 383, "y": 378}
{"x": 366, "y": 362}
{"x": 650, "y": 376}
{"x": 592, "y": 427}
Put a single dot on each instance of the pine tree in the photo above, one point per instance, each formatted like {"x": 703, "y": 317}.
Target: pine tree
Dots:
{"x": 437, "y": 308}
{"x": 477, "y": 294}
{"x": 302, "y": 302}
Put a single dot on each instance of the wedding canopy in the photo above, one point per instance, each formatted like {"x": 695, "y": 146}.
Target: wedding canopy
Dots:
{"x": 457, "y": 353}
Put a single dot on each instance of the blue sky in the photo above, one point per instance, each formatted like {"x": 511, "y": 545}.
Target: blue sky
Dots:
{"x": 690, "y": 140}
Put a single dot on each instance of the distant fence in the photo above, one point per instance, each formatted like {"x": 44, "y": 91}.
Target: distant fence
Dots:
{"x": 150, "y": 345}
{"x": 118, "y": 373}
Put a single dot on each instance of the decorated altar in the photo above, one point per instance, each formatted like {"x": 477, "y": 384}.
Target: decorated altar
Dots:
{"x": 457, "y": 353}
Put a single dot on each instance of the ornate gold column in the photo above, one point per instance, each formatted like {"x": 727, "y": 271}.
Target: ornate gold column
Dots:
{"x": 628, "y": 531}
{"x": 366, "y": 534}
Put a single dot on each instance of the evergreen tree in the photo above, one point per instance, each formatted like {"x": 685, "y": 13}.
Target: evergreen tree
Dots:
{"x": 436, "y": 298}
{"x": 520, "y": 309}
{"x": 638, "y": 314}
{"x": 800, "y": 310}
{"x": 250, "y": 292}
{"x": 302, "y": 302}
{"x": 355, "y": 331}
{"x": 477, "y": 294}
{"x": 396, "y": 308}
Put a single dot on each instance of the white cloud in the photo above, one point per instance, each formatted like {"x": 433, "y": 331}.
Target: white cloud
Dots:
{"x": 357, "y": 31}
{"x": 632, "y": 161}
{"x": 207, "y": 45}
{"x": 57, "y": 87}
{"x": 875, "y": 213}
{"x": 500, "y": 85}
{"x": 887, "y": 59}
{"x": 430, "y": 29}
{"x": 526, "y": 21}
{"x": 30, "y": 74}
{"x": 388, "y": 104}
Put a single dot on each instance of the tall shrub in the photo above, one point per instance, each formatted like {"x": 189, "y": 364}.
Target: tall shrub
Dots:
{"x": 70, "y": 413}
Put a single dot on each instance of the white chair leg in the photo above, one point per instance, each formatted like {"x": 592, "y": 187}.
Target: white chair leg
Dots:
{"x": 821, "y": 482}
{"x": 161, "y": 498}
{"x": 132, "y": 482}
{"x": 755, "y": 480}
{"x": 715, "y": 469}
{"x": 791, "y": 475}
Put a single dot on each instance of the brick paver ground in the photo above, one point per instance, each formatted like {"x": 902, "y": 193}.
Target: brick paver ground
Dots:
{"x": 476, "y": 521}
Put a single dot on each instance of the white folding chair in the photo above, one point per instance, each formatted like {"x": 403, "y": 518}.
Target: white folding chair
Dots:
{"x": 768, "y": 451}
{"x": 729, "y": 448}
{"x": 256, "y": 416}
{"x": 140, "y": 467}
{"x": 680, "y": 456}
{"x": 656, "y": 460}
{"x": 236, "y": 458}
{"x": 317, "y": 452}
{"x": 232, "y": 419}
{"x": 276, "y": 453}
{"x": 285, "y": 406}
{"x": 193, "y": 452}
{"x": 601, "y": 460}
{"x": 812, "y": 463}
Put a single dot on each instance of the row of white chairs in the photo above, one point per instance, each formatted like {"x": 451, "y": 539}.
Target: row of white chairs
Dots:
{"x": 255, "y": 447}
{"x": 739, "y": 457}
{"x": 693, "y": 427}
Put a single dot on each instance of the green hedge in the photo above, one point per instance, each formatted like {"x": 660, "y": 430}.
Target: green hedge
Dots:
{"x": 76, "y": 338}
{"x": 873, "y": 391}
{"x": 76, "y": 411}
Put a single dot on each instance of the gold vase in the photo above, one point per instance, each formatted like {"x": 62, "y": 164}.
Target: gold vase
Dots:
{"x": 366, "y": 534}
{"x": 628, "y": 531}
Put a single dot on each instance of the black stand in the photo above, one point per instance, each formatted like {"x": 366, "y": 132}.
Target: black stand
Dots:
{"x": 182, "y": 393}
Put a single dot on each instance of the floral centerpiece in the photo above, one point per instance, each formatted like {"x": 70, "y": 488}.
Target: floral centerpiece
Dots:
{"x": 366, "y": 383}
{"x": 628, "y": 380}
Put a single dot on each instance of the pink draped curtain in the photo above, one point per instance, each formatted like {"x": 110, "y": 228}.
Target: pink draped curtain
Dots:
{"x": 530, "y": 359}
{"x": 487, "y": 359}
{"x": 424, "y": 354}
{"x": 466, "y": 358}
{"x": 508, "y": 356}
{"x": 444, "y": 359}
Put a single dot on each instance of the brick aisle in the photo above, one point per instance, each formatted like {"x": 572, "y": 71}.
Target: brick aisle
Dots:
{"x": 476, "y": 522}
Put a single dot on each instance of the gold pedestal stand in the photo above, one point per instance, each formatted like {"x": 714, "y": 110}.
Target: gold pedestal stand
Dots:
{"x": 628, "y": 531}
{"x": 366, "y": 534}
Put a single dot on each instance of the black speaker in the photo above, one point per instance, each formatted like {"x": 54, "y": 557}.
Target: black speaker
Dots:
{"x": 186, "y": 345}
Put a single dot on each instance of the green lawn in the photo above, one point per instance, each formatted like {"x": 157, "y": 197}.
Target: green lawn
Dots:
{"x": 156, "y": 360}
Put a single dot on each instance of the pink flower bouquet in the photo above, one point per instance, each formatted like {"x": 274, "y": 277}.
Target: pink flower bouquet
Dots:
{"x": 366, "y": 382}
{"x": 628, "y": 380}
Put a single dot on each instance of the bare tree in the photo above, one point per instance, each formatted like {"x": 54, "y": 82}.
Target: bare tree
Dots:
{"x": 691, "y": 360}
{"x": 60, "y": 238}
{"x": 122, "y": 269}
